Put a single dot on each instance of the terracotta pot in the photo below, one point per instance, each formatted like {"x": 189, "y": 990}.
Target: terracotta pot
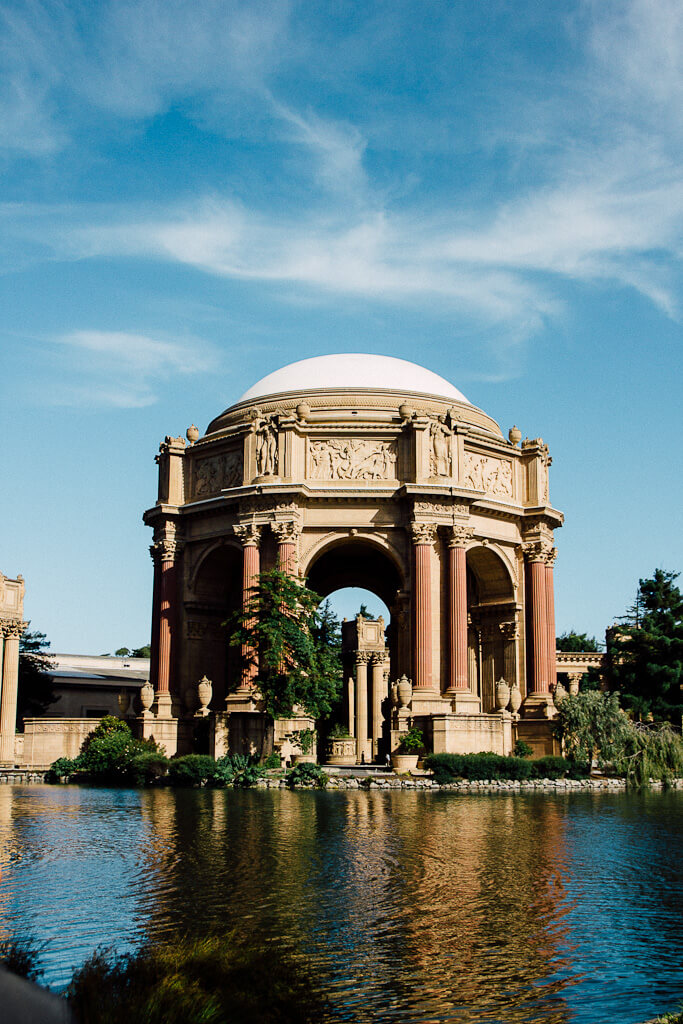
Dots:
{"x": 404, "y": 762}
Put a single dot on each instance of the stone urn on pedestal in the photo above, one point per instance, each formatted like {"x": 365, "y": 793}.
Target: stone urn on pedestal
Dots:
{"x": 502, "y": 695}
{"x": 147, "y": 698}
{"x": 515, "y": 699}
{"x": 205, "y": 693}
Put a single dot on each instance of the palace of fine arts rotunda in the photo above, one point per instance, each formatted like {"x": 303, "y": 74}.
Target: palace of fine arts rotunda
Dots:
{"x": 372, "y": 472}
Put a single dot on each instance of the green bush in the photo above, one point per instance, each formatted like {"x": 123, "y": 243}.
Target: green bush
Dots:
{"x": 191, "y": 770}
{"x": 523, "y": 749}
{"x": 238, "y": 770}
{"x": 146, "y": 767}
{"x": 61, "y": 769}
{"x": 483, "y": 767}
{"x": 551, "y": 767}
{"x": 412, "y": 742}
{"x": 338, "y": 732}
{"x": 207, "y": 980}
{"x": 273, "y": 761}
{"x": 306, "y": 774}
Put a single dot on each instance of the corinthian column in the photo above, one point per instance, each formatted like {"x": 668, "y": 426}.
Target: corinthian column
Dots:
{"x": 164, "y": 618}
{"x": 538, "y": 618}
{"x": 250, "y": 536}
{"x": 550, "y": 616}
{"x": 8, "y": 700}
{"x": 362, "y": 743}
{"x": 457, "y": 608}
{"x": 424, "y": 535}
{"x": 378, "y": 695}
{"x": 286, "y": 534}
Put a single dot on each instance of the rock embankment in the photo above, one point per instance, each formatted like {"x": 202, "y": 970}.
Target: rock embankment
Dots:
{"x": 467, "y": 786}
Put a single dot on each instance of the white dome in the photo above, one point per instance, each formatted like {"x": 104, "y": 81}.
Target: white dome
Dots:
{"x": 355, "y": 371}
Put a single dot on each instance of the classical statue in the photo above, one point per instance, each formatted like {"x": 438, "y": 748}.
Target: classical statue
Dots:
{"x": 441, "y": 448}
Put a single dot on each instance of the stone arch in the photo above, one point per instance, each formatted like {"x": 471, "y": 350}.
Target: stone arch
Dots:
{"x": 356, "y": 560}
{"x": 491, "y": 602}
{"x": 494, "y": 580}
{"x": 205, "y": 553}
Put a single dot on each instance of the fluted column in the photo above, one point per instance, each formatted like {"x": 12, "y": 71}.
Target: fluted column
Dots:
{"x": 250, "y": 536}
{"x": 457, "y": 609}
{"x": 351, "y": 704}
{"x": 538, "y": 611}
{"x": 164, "y": 551}
{"x": 8, "y": 699}
{"x": 362, "y": 744}
{"x": 550, "y": 616}
{"x": 378, "y": 694}
{"x": 424, "y": 535}
{"x": 286, "y": 534}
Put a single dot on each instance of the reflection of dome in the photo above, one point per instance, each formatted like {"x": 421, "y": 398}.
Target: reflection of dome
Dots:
{"x": 355, "y": 371}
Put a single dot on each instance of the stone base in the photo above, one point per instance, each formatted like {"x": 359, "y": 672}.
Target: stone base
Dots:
{"x": 472, "y": 734}
{"x": 241, "y": 701}
{"x": 463, "y": 702}
{"x": 428, "y": 702}
{"x": 538, "y": 733}
{"x": 538, "y": 705}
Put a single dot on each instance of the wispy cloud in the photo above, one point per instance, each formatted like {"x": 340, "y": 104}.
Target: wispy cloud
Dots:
{"x": 114, "y": 368}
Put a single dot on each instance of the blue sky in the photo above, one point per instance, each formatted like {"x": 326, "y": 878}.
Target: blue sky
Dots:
{"x": 195, "y": 193}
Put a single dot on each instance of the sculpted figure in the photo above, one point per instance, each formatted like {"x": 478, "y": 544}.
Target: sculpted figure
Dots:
{"x": 266, "y": 449}
{"x": 441, "y": 450}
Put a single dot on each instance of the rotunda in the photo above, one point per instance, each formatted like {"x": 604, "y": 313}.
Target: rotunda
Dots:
{"x": 374, "y": 472}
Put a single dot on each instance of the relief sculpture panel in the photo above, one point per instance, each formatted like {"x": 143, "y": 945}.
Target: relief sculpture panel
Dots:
{"x": 218, "y": 472}
{"x": 484, "y": 473}
{"x": 352, "y": 458}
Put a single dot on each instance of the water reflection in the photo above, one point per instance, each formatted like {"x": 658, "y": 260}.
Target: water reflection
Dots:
{"x": 417, "y": 907}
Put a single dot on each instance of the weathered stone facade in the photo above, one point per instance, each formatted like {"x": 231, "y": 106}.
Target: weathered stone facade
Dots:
{"x": 416, "y": 496}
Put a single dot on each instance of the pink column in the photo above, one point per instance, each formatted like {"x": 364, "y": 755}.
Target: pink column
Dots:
{"x": 250, "y": 536}
{"x": 457, "y": 608}
{"x": 550, "y": 618}
{"x": 167, "y": 618}
{"x": 156, "y": 616}
{"x": 424, "y": 535}
{"x": 538, "y": 622}
{"x": 286, "y": 534}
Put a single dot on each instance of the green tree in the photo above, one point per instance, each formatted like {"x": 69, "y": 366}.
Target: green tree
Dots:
{"x": 295, "y": 643}
{"x": 573, "y": 641}
{"x": 133, "y": 652}
{"x": 645, "y": 651}
{"x": 35, "y": 692}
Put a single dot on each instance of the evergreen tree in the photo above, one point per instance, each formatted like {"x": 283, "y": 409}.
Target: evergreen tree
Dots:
{"x": 295, "y": 643}
{"x": 35, "y": 691}
{"x": 646, "y": 651}
{"x": 573, "y": 641}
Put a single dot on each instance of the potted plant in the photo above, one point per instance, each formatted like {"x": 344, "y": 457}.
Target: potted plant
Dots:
{"x": 405, "y": 757}
{"x": 305, "y": 740}
{"x": 340, "y": 747}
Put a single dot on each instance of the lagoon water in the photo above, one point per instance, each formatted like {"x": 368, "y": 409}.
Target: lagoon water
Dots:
{"x": 415, "y": 907}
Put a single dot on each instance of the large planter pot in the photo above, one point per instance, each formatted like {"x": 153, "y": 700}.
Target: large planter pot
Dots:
{"x": 303, "y": 759}
{"x": 341, "y": 750}
{"x": 404, "y": 762}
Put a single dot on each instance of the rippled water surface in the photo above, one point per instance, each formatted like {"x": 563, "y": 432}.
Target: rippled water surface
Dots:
{"x": 415, "y": 906}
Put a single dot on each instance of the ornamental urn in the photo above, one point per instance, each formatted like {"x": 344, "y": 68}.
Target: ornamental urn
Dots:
{"x": 123, "y": 701}
{"x": 515, "y": 698}
{"x": 404, "y": 689}
{"x": 204, "y": 692}
{"x": 147, "y": 696}
{"x": 502, "y": 694}
{"x": 192, "y": 434}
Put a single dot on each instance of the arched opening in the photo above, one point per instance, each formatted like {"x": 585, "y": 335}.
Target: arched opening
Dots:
{"x": 217, "y": 593}
{"x": 492, "y": 618}
{"x": 356, "y": 573}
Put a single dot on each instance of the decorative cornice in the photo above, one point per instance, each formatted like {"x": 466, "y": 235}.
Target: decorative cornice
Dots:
{"x": 423, "y": 533}
{"x": 249, "y": 534}
{"x": 458, "y": 536}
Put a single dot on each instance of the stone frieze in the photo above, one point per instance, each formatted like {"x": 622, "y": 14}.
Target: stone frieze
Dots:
{"x": 352, "y": 458}
{"x": 484, "y": 473}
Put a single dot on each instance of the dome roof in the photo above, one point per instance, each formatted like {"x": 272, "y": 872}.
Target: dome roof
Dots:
{"x": 353, "y": 370}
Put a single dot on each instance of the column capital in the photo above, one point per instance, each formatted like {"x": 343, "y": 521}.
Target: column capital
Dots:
{"x": 379, "y": 657}
{"x": 286, "y": 530}
{"x": 249, "y": 534}
{"x": 165, "y": 549}
{"x": 509, "y": 630}
{"x": 535, "y": 550}
{"x": 551, "y": 558}
{"x": 458, "y": 536}
{"x": 12, "y": 628}
{"x": 423, "y": 533}
{"x": 363, "y": 657}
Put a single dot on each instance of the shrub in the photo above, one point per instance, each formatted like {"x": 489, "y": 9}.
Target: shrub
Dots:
{"x": 61, "y": 768}
{"x": 207, "y": 980}
{"x": 191, "y": 770}
{"x": 20, "y": 956}
{"x": 306, "y": 774}
{"x": 484, "y": 766}
{"x": 273, "y": 761}
{"x": 305, "y": 739}
{"x": 338, "y": 732}
{"x": 412, "y": 742}
{"x": 523, "y": 749}
{"x": 237, "y": 770}
{"x": 551, "y": 767}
